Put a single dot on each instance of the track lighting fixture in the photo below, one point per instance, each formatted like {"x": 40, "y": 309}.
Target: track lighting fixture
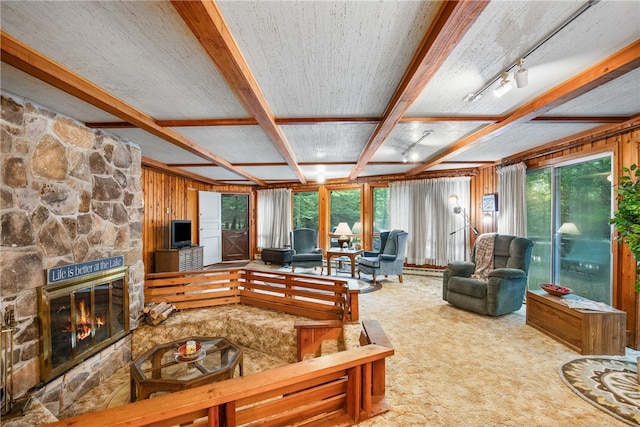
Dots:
{"x": 409, "y": 153}
{"x": 504, "y": 87}
{"x": 521, "y": 74}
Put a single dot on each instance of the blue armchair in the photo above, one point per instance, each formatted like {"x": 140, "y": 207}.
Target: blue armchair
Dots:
{"x": 390, "y": 260}
{"x": 503, "y": 291}
{"x": 305, "y": 250}
{"x": 384, "y": 235}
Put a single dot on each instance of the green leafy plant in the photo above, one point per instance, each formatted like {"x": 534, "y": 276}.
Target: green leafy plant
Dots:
{"x": 627, "y": 217}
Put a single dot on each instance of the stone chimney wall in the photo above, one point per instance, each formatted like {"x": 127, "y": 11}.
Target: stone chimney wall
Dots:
{"x": 68, "y": 194}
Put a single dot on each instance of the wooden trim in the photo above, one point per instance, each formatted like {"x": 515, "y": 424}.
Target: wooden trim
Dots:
{"x": 208, "y": 25}
{"x": 350, "y": 120}
{"x": 28, "y": 60}
{"x": 453, "y": 20}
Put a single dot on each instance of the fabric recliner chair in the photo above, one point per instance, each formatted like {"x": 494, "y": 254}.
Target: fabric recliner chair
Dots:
{"x": 305, "y": 250}
{"x": 503, "y": 291}
{"x": 390, "y": 260}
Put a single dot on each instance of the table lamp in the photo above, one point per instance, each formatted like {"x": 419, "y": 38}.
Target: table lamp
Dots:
{"x": 345, "y": 232}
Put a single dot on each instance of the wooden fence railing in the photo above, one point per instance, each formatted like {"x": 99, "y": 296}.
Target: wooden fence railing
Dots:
{"x": 322, "y": 298}
{"x": 338, "y": 389}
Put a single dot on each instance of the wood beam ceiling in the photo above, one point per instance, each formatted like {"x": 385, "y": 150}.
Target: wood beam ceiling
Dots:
{"x": 32, "y": 62}
{"x": 208, "y": 25}
{"x": 452, "y": 22}
{"x": 616, "y": 65}
{"x": 356, "y": 120}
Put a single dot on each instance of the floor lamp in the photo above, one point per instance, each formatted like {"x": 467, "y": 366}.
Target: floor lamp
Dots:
{"x": 459, "y": 210}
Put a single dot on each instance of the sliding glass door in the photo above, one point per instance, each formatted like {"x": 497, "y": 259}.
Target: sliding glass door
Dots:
{"x": 568, "y": 211}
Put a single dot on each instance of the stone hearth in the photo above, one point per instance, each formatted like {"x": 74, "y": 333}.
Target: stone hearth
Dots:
{"x": 69, "y": 194}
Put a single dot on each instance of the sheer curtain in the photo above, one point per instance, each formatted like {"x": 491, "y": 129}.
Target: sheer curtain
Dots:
{"x": 274, "y": 217}
{"x": 512, "y": 200}
{"x": 422, "y": 208}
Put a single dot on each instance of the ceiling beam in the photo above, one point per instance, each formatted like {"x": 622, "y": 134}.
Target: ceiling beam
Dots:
{"x": 453, "y": 20}
{"x": 32, "y": 62}
{"x": 168, "y": 169}
{"x": 208, "y": 25}
{"x": 616, "y": 65}
{"x": 601, "y": 132}
{"x": 354, "y": 120}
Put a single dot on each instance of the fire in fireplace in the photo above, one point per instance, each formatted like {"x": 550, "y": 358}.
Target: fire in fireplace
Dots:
{"x": 80, "y": 317}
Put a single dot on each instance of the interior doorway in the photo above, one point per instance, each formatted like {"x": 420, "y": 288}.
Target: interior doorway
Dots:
{"x": 235, "y": 227}
{"x": 209, "y": 223}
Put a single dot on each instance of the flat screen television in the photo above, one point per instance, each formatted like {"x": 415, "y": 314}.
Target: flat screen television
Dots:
{"x": 180, "y": 233}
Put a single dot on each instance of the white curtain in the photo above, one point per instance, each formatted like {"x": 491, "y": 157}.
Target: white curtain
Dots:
{"x": 512, "y": 201}
{"x": 274, "y": 217}
{"x": 422, "y": 208}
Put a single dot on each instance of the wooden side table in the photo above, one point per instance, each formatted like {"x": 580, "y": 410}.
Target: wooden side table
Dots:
{"x": 585, "y": 331}
{"x": 351, "y": 254}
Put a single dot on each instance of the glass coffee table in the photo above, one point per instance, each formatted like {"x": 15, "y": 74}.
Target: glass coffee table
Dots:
{"x": 165, "y": 369}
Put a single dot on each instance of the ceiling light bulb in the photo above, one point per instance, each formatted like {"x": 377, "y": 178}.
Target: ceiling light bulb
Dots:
{"x": 320, "y": 179}
{"x": 504, "y": 87}
{"x": 404, "y": 159}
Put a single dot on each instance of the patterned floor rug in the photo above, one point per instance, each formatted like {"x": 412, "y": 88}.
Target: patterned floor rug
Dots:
{"x": 610, "y": 384}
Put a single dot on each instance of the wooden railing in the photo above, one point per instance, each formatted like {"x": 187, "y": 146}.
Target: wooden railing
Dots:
{"x": 322, "y": 298}
{"x": 339, "y": 389}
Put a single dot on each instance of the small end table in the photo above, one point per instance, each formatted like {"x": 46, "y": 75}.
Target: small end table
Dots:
{"x": 352, "y": 254}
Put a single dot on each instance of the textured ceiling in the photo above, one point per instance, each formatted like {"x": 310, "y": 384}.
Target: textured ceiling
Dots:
{"x": 285, "y": 91}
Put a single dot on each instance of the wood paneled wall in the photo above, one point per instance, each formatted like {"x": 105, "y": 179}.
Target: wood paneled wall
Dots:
{"x": 168, "y": 197}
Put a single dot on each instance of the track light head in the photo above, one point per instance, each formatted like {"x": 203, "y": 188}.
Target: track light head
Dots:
{"x": 504, "y": 87}
{"x": 521, "y": 75}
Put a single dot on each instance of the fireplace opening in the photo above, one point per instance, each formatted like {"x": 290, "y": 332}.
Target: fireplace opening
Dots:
{"x": 80, "y": 317}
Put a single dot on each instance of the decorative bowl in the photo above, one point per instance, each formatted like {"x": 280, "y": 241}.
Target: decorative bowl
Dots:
{"x": 555, "y": 289}
{"x": 184, "y": 357}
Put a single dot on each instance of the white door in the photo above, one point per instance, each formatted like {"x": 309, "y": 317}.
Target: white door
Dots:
{"x": 209, "y": 206}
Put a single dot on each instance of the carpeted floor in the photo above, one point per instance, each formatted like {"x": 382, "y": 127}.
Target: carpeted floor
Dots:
{"x": 456, "y": 368}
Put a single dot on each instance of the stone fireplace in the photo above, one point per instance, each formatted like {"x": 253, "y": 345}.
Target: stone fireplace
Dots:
{"x": 69, "y": 195}
{"x": 80, "y": 317}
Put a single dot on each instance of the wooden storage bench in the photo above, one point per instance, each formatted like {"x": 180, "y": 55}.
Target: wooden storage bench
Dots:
{"x": 585, "y": 331}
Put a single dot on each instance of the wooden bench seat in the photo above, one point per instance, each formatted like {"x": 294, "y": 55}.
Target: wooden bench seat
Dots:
{"x": 372, "y": 333}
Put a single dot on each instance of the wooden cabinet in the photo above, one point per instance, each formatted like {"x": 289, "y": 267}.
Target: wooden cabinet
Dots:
{"x": 183, "y": 259}
{"x": 585, "y": 331}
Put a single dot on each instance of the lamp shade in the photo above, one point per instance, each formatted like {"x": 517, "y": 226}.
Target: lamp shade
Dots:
{"x": 357, "y": 228}
{"x": 569, "y": 228}
{"x": 343, "y": 229}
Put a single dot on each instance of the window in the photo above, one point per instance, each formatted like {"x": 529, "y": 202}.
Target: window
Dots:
{"x": 305, "y": 210}
{"x": 345, "y": 207}
{"x": 568, "y": 211}
{"x": 235, "y": 212}
{"x": 380, "y": 214}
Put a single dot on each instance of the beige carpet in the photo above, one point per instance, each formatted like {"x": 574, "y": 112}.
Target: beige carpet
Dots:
{"x": 456, "y": 368}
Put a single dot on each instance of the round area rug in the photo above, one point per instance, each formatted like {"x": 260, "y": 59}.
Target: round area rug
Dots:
{"x": 607, "y": 383}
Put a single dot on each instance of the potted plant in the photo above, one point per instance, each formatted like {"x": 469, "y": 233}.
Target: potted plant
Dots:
{"x": 627, "y": 217}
